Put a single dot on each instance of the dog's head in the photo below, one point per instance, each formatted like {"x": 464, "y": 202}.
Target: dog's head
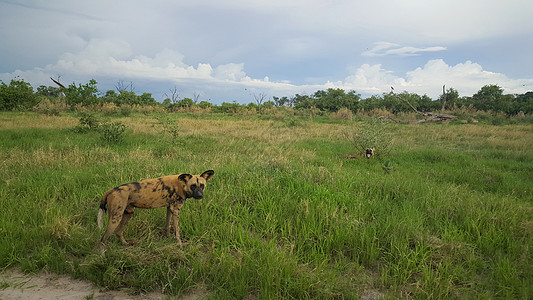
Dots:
{"x": 370, "y": 152}
{"x": 195, "y": 184}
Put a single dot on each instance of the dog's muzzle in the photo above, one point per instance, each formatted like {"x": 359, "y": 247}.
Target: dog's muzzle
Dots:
{"x": 198, "y": 194}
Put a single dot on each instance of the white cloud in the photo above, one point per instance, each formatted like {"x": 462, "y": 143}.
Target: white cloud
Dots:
{"x": 386, "y": 48}
{"x": 467, "y": 78}
{"x": 113, "y": 60}
{"x": 108, "y": 59}
{"x": 373, "y": 79}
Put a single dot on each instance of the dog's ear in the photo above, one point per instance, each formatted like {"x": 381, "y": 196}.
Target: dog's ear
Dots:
{"x": 207, "y": 174}
{"x": 185, "y": 177}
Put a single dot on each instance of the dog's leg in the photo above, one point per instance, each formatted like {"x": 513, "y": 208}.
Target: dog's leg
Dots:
{"x": 115, "y": 217}
{"x": 169, "y": 220}
{"x": 128, "y": 213}
{"x": 175, "y": 210}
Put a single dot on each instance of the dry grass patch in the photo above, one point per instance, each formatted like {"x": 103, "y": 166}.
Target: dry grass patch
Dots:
{"x": 35, "y": 120}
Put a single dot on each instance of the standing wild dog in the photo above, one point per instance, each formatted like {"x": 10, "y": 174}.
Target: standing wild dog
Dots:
{"x": 170, "y": 191}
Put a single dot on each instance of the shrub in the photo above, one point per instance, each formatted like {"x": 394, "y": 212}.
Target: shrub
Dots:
{"x": 51, "y": 108}
{"x": 113, "y": 133}
{"x": 87, "y": 122}
{"x": 373, "y": 133}
{"x": 342, "y": 114}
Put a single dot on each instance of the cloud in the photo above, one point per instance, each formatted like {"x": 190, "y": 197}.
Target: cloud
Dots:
{"x": 373, "y": 79}
{"x": 467, "y": 78}
{"x": 386, "y": 48}
{"x": 112, "y": 61}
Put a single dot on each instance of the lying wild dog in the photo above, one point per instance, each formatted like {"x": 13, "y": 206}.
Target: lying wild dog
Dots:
{"x": 369, "y": 153}
{"x": 170, "y": 191}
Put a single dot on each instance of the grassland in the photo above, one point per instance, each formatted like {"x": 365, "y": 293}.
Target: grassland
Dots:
{"x": 447, "y": 213}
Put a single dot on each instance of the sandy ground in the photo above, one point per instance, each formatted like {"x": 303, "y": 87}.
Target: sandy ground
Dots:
{"x": 15, "y": 285}
{"x": 45, "y": 286}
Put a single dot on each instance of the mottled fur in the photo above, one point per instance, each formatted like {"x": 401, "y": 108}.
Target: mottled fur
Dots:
{"x": 369, "y": 153}
{"x": 170, "y": 191}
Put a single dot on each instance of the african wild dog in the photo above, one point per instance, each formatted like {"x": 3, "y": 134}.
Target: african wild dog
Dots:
{"x": 170, "y": 191}
{"x": 369, "y": 153}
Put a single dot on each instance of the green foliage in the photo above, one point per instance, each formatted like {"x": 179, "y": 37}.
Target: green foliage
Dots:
{"x": 18, "y": 95}
{"x": 86, "y": 94}
{"x": 452, "y": 98}
{"x": 48, "y": 91}
{"x": 390, "y": 102}
{"x": 87, "y": 121}
{"x": 524, "y": 104}
{"x": 330, "y": 100}
{"x": 128, "y": 98}
{"x": 205, "y": 104}
{"x": 226, "y": 107}
{"x": 113, "y": 132}
{"x": 491, "y": 98}
{"x": 110, "y": 132}
{"x": 283, "y": 101}
{"x": 372, "y": 133}
{"x": 185, "y": 102}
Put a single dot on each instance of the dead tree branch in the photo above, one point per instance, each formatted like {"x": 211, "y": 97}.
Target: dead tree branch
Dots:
{"x": 429, "y": 116}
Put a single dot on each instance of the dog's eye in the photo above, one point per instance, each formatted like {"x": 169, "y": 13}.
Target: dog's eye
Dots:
{"x": 202, "y": 186}
{"x": 193, "y": 186}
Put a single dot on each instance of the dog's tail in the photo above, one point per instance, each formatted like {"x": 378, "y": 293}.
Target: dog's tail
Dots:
{"x": 101, "y": 214}
{"x": 102, "y": 211}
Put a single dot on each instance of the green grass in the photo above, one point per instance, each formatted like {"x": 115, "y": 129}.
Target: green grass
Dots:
{"x": 448, "y": 213}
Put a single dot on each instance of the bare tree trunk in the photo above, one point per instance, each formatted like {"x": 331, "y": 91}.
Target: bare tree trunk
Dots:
{"x": 61, "y": 87}
{"x": 173, "y": 96}
{"x": 259, "y": 98}
{"x": 195, "y": 97}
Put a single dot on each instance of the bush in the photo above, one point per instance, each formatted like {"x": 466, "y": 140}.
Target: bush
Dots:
{"x": 342, "y": 114}
{"x": 373, "y": 133}
{"x": 89, "y": 120}
{"x": 113, "y": 133}
{"x": 18, "y": 95}
{"x": 51, "y": 108}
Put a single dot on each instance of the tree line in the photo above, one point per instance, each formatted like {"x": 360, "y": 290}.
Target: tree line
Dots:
{"x": 20, "y": 95}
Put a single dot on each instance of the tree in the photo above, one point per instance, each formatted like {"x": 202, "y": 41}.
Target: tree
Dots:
{"x": 126, "y": 97}
{"x": 86, "y": 94}
{"x": 452, "y": 97}
{"x": 17, "y": 95}
{"x": 488, "y": 98}
{"x": 147, "y": 99}
{"x": 123, "y": 87}
{"x": 335, "y": 99}
{"x": 195, "y": 97}
{"x": 259, "y": 98}
{"x": 48, "y": 91}
{"x": 185, "y": 102}
{"x": 281, "y": 101}
{"x": 302, "y": 101}
{"x": 524, "y": 103}
{"x": 174, "y": 95}
{"x": 205, "y": 104}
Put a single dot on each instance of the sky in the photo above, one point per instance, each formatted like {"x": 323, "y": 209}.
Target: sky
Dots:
{"x": 226, "y": 51}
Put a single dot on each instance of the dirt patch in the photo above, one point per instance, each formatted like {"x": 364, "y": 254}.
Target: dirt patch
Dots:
{"x": 45, "y": 286}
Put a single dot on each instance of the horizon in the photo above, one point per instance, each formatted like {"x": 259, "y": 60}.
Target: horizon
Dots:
{"x": 235, "y": 49}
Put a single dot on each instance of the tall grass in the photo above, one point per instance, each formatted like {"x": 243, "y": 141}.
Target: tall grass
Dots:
{"x": 447, "y": 213}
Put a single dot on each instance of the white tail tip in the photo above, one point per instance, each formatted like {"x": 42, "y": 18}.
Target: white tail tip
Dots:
{"x": 101, "y": 214}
